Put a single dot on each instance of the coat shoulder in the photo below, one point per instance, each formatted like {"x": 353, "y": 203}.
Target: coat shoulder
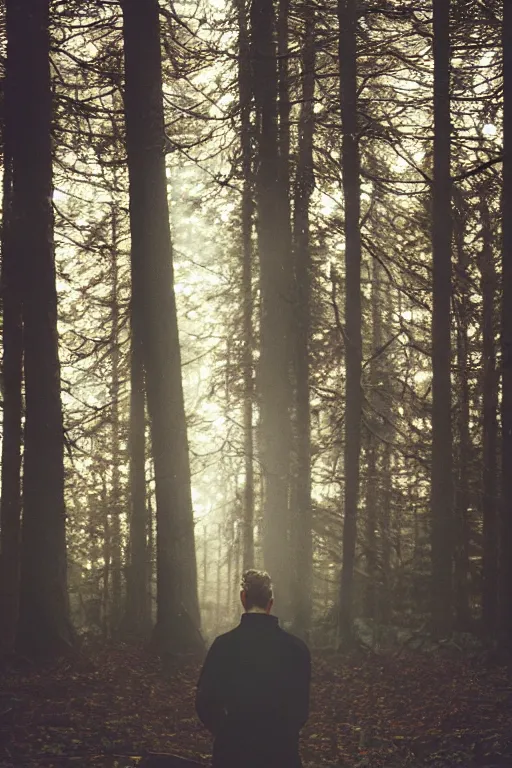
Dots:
{"x": 224, "y": 640}
{"x": 296, "y": 643}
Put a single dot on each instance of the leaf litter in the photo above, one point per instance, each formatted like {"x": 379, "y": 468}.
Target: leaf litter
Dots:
{"x": 111, "y": 706}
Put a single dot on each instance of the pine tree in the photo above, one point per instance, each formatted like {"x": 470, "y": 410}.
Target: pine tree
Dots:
{"x": 442, "y": 227}
{"x": 178, "y": 610}
{"x": 44, "y": 623}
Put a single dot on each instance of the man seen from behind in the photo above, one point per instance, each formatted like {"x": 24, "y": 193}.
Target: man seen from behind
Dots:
{"x": 253, "y": 692}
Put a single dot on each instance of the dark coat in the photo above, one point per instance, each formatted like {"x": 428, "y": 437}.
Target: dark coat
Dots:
{"x": 253, "y": 695}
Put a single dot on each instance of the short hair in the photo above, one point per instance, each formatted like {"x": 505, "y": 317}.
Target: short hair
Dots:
{"x": 257, "y": 586}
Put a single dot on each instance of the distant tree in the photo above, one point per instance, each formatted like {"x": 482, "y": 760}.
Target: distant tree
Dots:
{"x": 442, "y": 228}
{"x": 463, "y": 317}
{"x": 490, "y": 381}
{"x": 301, "y": 517}
{"x": 44, "y": 626}
{"x": 351, "y": 169}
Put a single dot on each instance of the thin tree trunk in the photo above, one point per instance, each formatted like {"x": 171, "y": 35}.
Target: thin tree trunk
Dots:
{"x": 304, "y": 185}
{"x": 385, "y": 534}
{"x": 230, "y": 557}
{"x": 205, "y": 567}
{"x": 245, "y": 94}
{"x": 139, "y": 569}
{"x": 442, "y": 487}
{"x": 151, "y": 557}
{"x": 505, "y": 575}
{"x": 107, "y": 560}
{"x": 373, "y": 482}
{"x": 12, "y": 342}
{"x": 44, "y": 627}
{"x": 285, "y": 224}
{"x": 115, "y": 495}
{"x": 274, "y": 365}
{"x": 462, "y": 494}
{"x": 178, "y": 617}
{"x": 347, "y": 15}
{"x": 386, "y": 504}
{"x": 218, "y": 593}
{"x": 490, "y": 381}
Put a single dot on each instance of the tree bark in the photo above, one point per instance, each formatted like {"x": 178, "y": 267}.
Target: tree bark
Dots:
{"x": 490, "y": 382}
{"x": 44, "y": 627}
{"x": 245, "y": 96}
{"x": 12, "y": 364}
{"x": 347, "y": 15}
{"x": 138, "y": 618}
{"x": 505, "y": 577}
{"x": 115, "y": 491}
{"x": 442, "y": 487}
{"x": 274, "y": 365}
{"x": 304, "y": 186}
{"x": 373, "y": 480}
{"x": 177, "y": 607}
{"x": 462, "y": 494}
{"x": 107, "y": 560}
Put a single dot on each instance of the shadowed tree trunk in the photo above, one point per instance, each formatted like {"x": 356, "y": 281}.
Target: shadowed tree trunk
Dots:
{"x": 347, "y": 15}
{"x": 506, "y": 341}
{"x": 387, "y": 473}
{"x": 44, "y": 627}
{"x": 115, "y": 493}
{"x": 12, "y": 342}
{"x": 107, "y": 559}
{"x": 285, "y": 224}
{"x": 304, "y": 185}
{"x": 245, "y": 95}
{"x": 374, "y": 495}
{"x": 442, "y": 486}
{"x": 462, "y": 494}
{"x": 177, "y": 608}
{"x": 490, "y": 381}
{"x": 138, "y": 614}
{"x": 275, "y": 284}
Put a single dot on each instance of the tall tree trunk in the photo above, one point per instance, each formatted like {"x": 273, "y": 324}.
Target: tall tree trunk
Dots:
{"x": 285, "y": 223}
{"x": 115, "y": 494}
{"x": 304, "y": 186}
{"x": 490, "y": 381}
{"x": 442, "y": 487}
{"x": 275, "y": 305}
{"x": 506, "y": 340}
{"x": 245, "y": 95}
{"x": 12, "y": 342}
{"x": 347, "y": 15}
{"x": 44, "y": 626}
{"x": 177, "y": 608}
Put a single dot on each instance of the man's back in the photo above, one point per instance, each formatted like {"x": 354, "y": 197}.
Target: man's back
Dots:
{"x": 253, "y": 695}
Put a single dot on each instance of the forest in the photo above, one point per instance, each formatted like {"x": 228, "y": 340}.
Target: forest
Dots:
{"x": 256, "y": 311}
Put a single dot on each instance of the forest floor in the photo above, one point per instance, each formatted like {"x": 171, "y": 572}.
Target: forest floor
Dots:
{"x": 369, "y": 711}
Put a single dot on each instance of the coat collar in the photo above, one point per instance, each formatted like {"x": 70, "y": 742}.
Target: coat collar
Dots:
{"x": 259, "y": 620}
